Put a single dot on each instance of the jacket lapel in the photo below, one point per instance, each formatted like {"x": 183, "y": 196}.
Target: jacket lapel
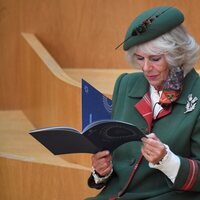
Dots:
{"x": 144, "y": 108}
{"x": 164, "y": 112}
{"x": 140, "y": 91}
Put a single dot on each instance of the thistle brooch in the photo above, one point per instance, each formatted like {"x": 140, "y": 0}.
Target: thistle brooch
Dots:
{"x": 191, "y": 103}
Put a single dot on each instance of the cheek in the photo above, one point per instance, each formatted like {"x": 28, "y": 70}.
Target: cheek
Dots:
{"x": 164, "y": 72}
{"x": 164, "y": 75}
{"x": 139, "y": 63}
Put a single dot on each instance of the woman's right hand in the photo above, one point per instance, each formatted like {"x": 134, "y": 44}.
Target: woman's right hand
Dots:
{"x": 102, "y": 162}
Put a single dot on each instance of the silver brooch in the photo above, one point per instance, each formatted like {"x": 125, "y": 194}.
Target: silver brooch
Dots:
{"x": 191, "y": 103}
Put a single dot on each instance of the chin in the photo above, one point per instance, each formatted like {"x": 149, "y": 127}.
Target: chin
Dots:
{"x": 154, "y": 84}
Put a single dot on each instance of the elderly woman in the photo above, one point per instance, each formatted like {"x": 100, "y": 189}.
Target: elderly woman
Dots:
{"x": 163, "y": 100}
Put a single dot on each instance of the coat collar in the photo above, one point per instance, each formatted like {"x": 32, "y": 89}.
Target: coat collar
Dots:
{"x": 144, "y": 108}
{"x": 141, "y": 91}
{"x": 188, "y": 84}
{"x": 142, "y": 87}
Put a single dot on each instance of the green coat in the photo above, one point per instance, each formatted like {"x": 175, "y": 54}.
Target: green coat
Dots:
{"x": 179, "y": 130}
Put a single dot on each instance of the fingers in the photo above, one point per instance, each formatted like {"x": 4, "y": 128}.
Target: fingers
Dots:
{"x": 106, "y": 171}
{"x": 102, "y": 162}
{"x": 100, "y": 154}
{"x": 152, "y": 142}
{"x": 147, "y": 155}
{"x": 153, "y": 149}
{"x": 153, "y": 136}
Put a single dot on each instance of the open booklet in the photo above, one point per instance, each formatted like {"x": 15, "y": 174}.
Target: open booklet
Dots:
{"x": 97, "y": 136}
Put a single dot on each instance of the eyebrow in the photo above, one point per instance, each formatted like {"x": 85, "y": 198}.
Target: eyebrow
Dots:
{"x": 148, "y": 56}
{"x": 137, "y": 54}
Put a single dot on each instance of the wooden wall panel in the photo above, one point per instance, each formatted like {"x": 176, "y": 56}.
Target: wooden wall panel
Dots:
{"x": 9, "y": 54}
{"x": 25, "y": 180}
{"x": 78, "y": 33}
{"x": 45, "y": 99}
{"x": 84, "y": 33}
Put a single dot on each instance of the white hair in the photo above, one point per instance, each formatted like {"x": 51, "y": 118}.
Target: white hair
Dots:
{"x": 178, "y": 46}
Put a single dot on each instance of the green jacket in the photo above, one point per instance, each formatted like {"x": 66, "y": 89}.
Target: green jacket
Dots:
{"x": 179, "y": 130}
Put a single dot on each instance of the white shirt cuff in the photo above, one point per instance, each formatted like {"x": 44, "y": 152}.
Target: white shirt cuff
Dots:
{"x": 169, "y": 165}
{"x": 98, "y": 179}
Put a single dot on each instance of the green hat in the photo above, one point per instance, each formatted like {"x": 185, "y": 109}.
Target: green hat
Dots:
{"x": 152, "y": 24}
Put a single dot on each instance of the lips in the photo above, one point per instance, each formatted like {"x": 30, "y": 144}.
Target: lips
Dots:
{"x": 150, "y": 77}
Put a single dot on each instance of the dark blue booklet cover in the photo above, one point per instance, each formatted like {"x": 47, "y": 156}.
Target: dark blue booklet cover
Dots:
{"x": 95, "y": 105}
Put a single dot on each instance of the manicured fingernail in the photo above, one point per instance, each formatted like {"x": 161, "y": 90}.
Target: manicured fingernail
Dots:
{"x": 107, "y": 152}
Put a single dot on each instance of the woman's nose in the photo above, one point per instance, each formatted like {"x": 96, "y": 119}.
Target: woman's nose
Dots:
{"x": 147, "y": 65}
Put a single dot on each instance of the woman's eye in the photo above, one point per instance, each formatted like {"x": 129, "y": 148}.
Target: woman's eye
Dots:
{"x": 155, "y": 59}
{"x": 139, "y": 58}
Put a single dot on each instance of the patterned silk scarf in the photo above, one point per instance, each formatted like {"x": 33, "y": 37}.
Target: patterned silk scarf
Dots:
{"x": 172, "y": 87}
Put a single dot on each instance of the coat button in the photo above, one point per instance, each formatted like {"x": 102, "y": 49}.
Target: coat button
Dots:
{"x": 131, "y": 161}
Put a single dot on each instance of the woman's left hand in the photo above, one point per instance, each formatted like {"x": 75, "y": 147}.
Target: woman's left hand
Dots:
{"x": 153, "y": 149}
